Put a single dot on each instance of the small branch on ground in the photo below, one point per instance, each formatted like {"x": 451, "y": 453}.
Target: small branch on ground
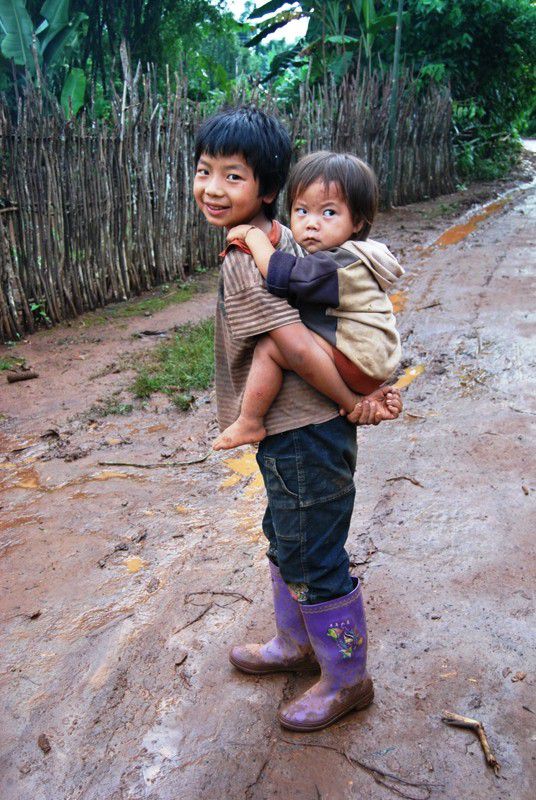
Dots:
{"x": 473, "y": 725}
{"x": 23, "y": 375}
{"x": 414, "y": 481}
{"x": 237, "y": 595}
{"x": 155, "y": 466}
{"x": 195, "y": 619}
{"x": 430, "y": 305}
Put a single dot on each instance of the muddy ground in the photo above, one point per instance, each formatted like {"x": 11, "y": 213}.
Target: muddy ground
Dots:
{"x": 123, "y": 587}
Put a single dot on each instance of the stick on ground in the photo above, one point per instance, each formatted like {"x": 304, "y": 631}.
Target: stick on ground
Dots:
{"x": 478, "y": 728}
{"x": 24, "y": 375}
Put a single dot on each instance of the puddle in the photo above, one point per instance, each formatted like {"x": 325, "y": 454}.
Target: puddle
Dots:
{"x": 459, "y": 232}
{"x": 410, "y": 373}
{"x": 29, "y": 479}
{"x": 247, "y": 515}
{"x": 244, "y": 466}
{"x": 134, "y": 564}
{"x": 399, "y": 301}
{"x": 108, "y": 474}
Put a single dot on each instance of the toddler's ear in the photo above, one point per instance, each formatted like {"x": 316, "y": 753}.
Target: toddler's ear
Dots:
{"x": 358, "y": 227}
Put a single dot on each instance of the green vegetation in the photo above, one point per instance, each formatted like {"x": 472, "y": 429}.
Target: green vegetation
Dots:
{"x": 163, "y": 297}
{"x": 39, "y": 312}
{"x": 151, "y": 305}
{"x": 484, "y": 49}
{"x": 110, "y": 406}
{"x": 177, "y": 368}
{"x": 43, "y": 40}
{"x": 11, "y": 362}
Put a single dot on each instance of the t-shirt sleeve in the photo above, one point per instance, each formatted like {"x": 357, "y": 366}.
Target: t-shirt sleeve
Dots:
{"x": 250, "y": 309}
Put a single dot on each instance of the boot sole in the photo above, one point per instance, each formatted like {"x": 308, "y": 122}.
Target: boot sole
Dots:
{"x": 362, "y": 702}
{"x": 248, "y": 669}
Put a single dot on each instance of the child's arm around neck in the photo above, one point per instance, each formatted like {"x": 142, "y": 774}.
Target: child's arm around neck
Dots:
{"x": 258, "y": 243}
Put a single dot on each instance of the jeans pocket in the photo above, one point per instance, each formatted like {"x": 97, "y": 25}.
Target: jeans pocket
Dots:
{"x": 275, "y": 471}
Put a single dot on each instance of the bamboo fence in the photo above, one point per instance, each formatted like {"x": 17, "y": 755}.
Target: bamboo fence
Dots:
{"x": 93, "y": 211}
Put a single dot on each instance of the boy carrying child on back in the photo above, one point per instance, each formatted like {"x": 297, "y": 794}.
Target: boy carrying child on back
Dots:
{"x": 332, "y": 200}
{"x": 308, "y": 456}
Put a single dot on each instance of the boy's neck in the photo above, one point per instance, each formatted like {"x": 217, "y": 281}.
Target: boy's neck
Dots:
{"x": 261, "y": 221}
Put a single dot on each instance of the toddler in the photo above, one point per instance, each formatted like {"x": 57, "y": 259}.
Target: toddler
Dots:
{"x": 339, "y": 290}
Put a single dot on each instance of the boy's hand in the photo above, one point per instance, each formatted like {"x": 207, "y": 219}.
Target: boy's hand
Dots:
{"x": 383, "y": 404}
{"x": 238, "y": 232}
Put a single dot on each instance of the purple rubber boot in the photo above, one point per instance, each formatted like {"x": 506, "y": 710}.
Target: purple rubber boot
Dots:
{"x": 290, "y": 650}
{"x": 338, "y": 634}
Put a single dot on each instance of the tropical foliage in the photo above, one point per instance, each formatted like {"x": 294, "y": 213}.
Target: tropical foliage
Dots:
{"x": 484, "y": 49}
{"x": 43, "y": 43}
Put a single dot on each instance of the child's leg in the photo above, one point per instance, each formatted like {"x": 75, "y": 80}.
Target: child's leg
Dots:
{"x": 262, "y": 387}
{"x": 306, "y": 354}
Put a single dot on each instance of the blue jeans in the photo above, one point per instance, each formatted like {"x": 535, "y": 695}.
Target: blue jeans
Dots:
{"x": 308, "y": 475}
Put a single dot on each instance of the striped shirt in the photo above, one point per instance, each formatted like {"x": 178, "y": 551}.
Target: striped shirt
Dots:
{"x": 245, "y": 311}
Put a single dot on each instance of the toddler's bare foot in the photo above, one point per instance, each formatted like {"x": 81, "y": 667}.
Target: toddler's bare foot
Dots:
{"x": 243, "y": 431}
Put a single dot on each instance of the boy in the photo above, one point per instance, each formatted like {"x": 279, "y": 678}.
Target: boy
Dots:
{"x": 308, "y": 457}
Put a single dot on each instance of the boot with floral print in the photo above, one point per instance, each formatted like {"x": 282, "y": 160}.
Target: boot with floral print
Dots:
{"x": 337, "y": 632}
{"x": 290, "y": 650}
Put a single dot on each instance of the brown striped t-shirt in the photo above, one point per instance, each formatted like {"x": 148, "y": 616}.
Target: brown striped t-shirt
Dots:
{"x": 245, "y": 311}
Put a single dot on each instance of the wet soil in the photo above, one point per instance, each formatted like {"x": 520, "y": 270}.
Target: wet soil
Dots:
{"x": 123, "y": 586}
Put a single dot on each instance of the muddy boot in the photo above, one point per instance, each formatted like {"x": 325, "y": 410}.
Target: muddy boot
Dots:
{"x": 338, "y": 635}
{"x": 290, "y": 650}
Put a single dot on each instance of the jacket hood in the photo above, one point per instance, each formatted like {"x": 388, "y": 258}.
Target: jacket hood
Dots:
{"x": 378, "y": 259}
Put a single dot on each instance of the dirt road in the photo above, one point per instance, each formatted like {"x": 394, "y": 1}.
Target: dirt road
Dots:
{"x": 123, "y": 587}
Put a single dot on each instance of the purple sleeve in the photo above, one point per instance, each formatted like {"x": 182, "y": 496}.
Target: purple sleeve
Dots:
{"x": 310, "y": 279}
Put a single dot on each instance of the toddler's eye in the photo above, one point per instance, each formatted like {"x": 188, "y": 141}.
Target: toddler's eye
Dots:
{"x": 329, "y": 212}
{"x": 301, "y": 212}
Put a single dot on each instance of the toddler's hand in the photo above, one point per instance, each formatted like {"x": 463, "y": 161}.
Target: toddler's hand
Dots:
{"x": 238, "y": 232}
{"x": 382, "y": 405}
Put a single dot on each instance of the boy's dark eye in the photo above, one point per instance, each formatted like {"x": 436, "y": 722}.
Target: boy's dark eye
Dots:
{"x": 201, "y": 171}
{"x": 234, "y": 177}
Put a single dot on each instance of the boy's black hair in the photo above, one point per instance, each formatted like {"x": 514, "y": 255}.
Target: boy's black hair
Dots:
{"x": 260, "y": 138}
{"x": 354, "y": 178}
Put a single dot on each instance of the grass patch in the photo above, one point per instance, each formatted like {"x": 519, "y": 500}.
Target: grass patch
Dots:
{"x": 110, "y": 406}
{"x": 11, "y": 362}
{"x": 163, "y": 297}
{"x": 151, "y": 305}
{"x": 180, "y": 366}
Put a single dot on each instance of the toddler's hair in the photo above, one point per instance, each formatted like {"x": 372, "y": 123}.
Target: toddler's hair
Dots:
{"x": 354, "y": 178}
{"x": 260, "y": 138}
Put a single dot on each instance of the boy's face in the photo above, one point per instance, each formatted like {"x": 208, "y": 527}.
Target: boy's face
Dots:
{"x": 320, "y": 218}
{"x": 227, "y": 192}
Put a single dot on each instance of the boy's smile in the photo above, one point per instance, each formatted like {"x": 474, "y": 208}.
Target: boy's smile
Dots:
{"x": 227, "y": 191}
{"x": 320, "y": 218}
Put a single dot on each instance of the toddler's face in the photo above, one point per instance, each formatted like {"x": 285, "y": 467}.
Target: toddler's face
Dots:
{"x": 226, "y": 190}
{"x": 320, "y": 218}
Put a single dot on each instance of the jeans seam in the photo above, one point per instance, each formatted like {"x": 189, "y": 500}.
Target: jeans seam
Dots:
{"x": 329, "y": 498}
{"x": 301, "y": 490}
